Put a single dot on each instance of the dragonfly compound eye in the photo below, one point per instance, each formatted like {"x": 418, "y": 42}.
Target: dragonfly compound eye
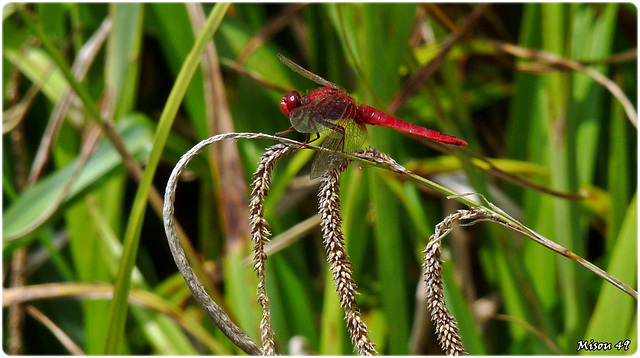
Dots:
{"x": 290, "y": 102}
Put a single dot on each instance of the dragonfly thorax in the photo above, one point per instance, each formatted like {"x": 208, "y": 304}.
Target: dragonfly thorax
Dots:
{"x": 290, "y": 102}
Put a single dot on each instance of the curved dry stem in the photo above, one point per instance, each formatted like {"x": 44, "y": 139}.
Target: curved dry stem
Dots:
{"x": 260, "y": 234}
{"x": 15, "y": 114}
{"x": 446, "y": 324}
{"x": 79, "y": 68}
{"x": 329, "y": 208}
{"x": 103, "y": 291}
{"x": 499, "y": 216}
{"x": 217, "y": 315}
{"x": 557, "y": 61}
{"x": 253, "y": 75}
{"x": 59, "y": 333}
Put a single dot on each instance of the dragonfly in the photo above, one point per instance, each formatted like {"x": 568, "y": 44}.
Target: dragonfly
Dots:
{"x": 332, "y": 111}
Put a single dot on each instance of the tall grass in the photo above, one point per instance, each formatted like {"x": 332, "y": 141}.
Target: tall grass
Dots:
{"x": 548, "y": 144}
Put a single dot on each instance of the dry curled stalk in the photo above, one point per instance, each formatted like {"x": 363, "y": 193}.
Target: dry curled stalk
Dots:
{"x": 217, "y": 315}
{"x": 329, "y": 208}
{"x": 446, "y": 324}
{"x": 260, "y": 234}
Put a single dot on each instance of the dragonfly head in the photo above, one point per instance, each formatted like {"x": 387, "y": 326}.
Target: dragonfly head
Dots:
{"x": 290, "y": 102}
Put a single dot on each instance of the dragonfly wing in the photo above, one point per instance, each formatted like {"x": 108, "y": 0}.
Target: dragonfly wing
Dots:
{"x": 320, "y": 113}
{"x": 305, "y": 119}
{"x": 347, "y": 139}
{"x": 306, "y": 73}
{"x": 355, "y": 134}
{"x": 327, "y": 160}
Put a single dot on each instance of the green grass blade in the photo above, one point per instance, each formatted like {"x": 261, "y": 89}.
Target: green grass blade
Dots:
{"x": 36, "y": 65}
{"x": 38, "y": 200}
{"x": 62, "y": 65}
{"x": 564, "y": 173}
{"x": 123, "y": 57}
{"x": 240, "y": 286}
{"x": 333, "y": 331}
{"x": 614, "y": 313}
{"x": 592, "y": 37}
{"x": 389, "y": 247}
{"x": 175, "y": 31}
{"x": 296, "y": 294}
{"x": 459, "y": 308}
{"x": 619, "y": 185}
{"x": 118, "y": 313}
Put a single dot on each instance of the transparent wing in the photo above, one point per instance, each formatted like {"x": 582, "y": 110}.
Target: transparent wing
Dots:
{"x": 307, "y": 120}
{"x": 345, "y": 136}
{"x": 306, "y": 73}
{"x": 320, "y": 114}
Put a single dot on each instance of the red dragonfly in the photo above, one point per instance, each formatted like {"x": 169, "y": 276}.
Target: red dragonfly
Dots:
{"x": 331, "y": 110}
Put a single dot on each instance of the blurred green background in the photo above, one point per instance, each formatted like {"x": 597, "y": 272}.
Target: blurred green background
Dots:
{"x": 75, "y": 226}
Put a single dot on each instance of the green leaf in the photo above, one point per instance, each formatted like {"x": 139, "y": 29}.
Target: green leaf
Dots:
{"x": 34, "y": 204}
{"x": 123, "y": 57}
{"x": 615, "y": 314}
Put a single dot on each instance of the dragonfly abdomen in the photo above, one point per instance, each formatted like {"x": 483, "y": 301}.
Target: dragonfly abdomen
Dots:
{"x": 370, "y": 115}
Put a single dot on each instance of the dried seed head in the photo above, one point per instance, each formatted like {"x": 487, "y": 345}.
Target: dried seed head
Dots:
{"x": 329, "y": 208}
{"x": 260, "y": 235}
{"x": 446, "y": 324}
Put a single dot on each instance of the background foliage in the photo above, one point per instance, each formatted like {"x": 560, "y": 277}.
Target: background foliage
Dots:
{"x": 532, "y": 119}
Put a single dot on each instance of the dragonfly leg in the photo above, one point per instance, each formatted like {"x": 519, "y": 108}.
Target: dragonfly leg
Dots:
{"x": 314, "y": 139}
{"x": 307, "y": 141}
{"x": 307, "y": 138}
{"x": 285, "y": 132}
